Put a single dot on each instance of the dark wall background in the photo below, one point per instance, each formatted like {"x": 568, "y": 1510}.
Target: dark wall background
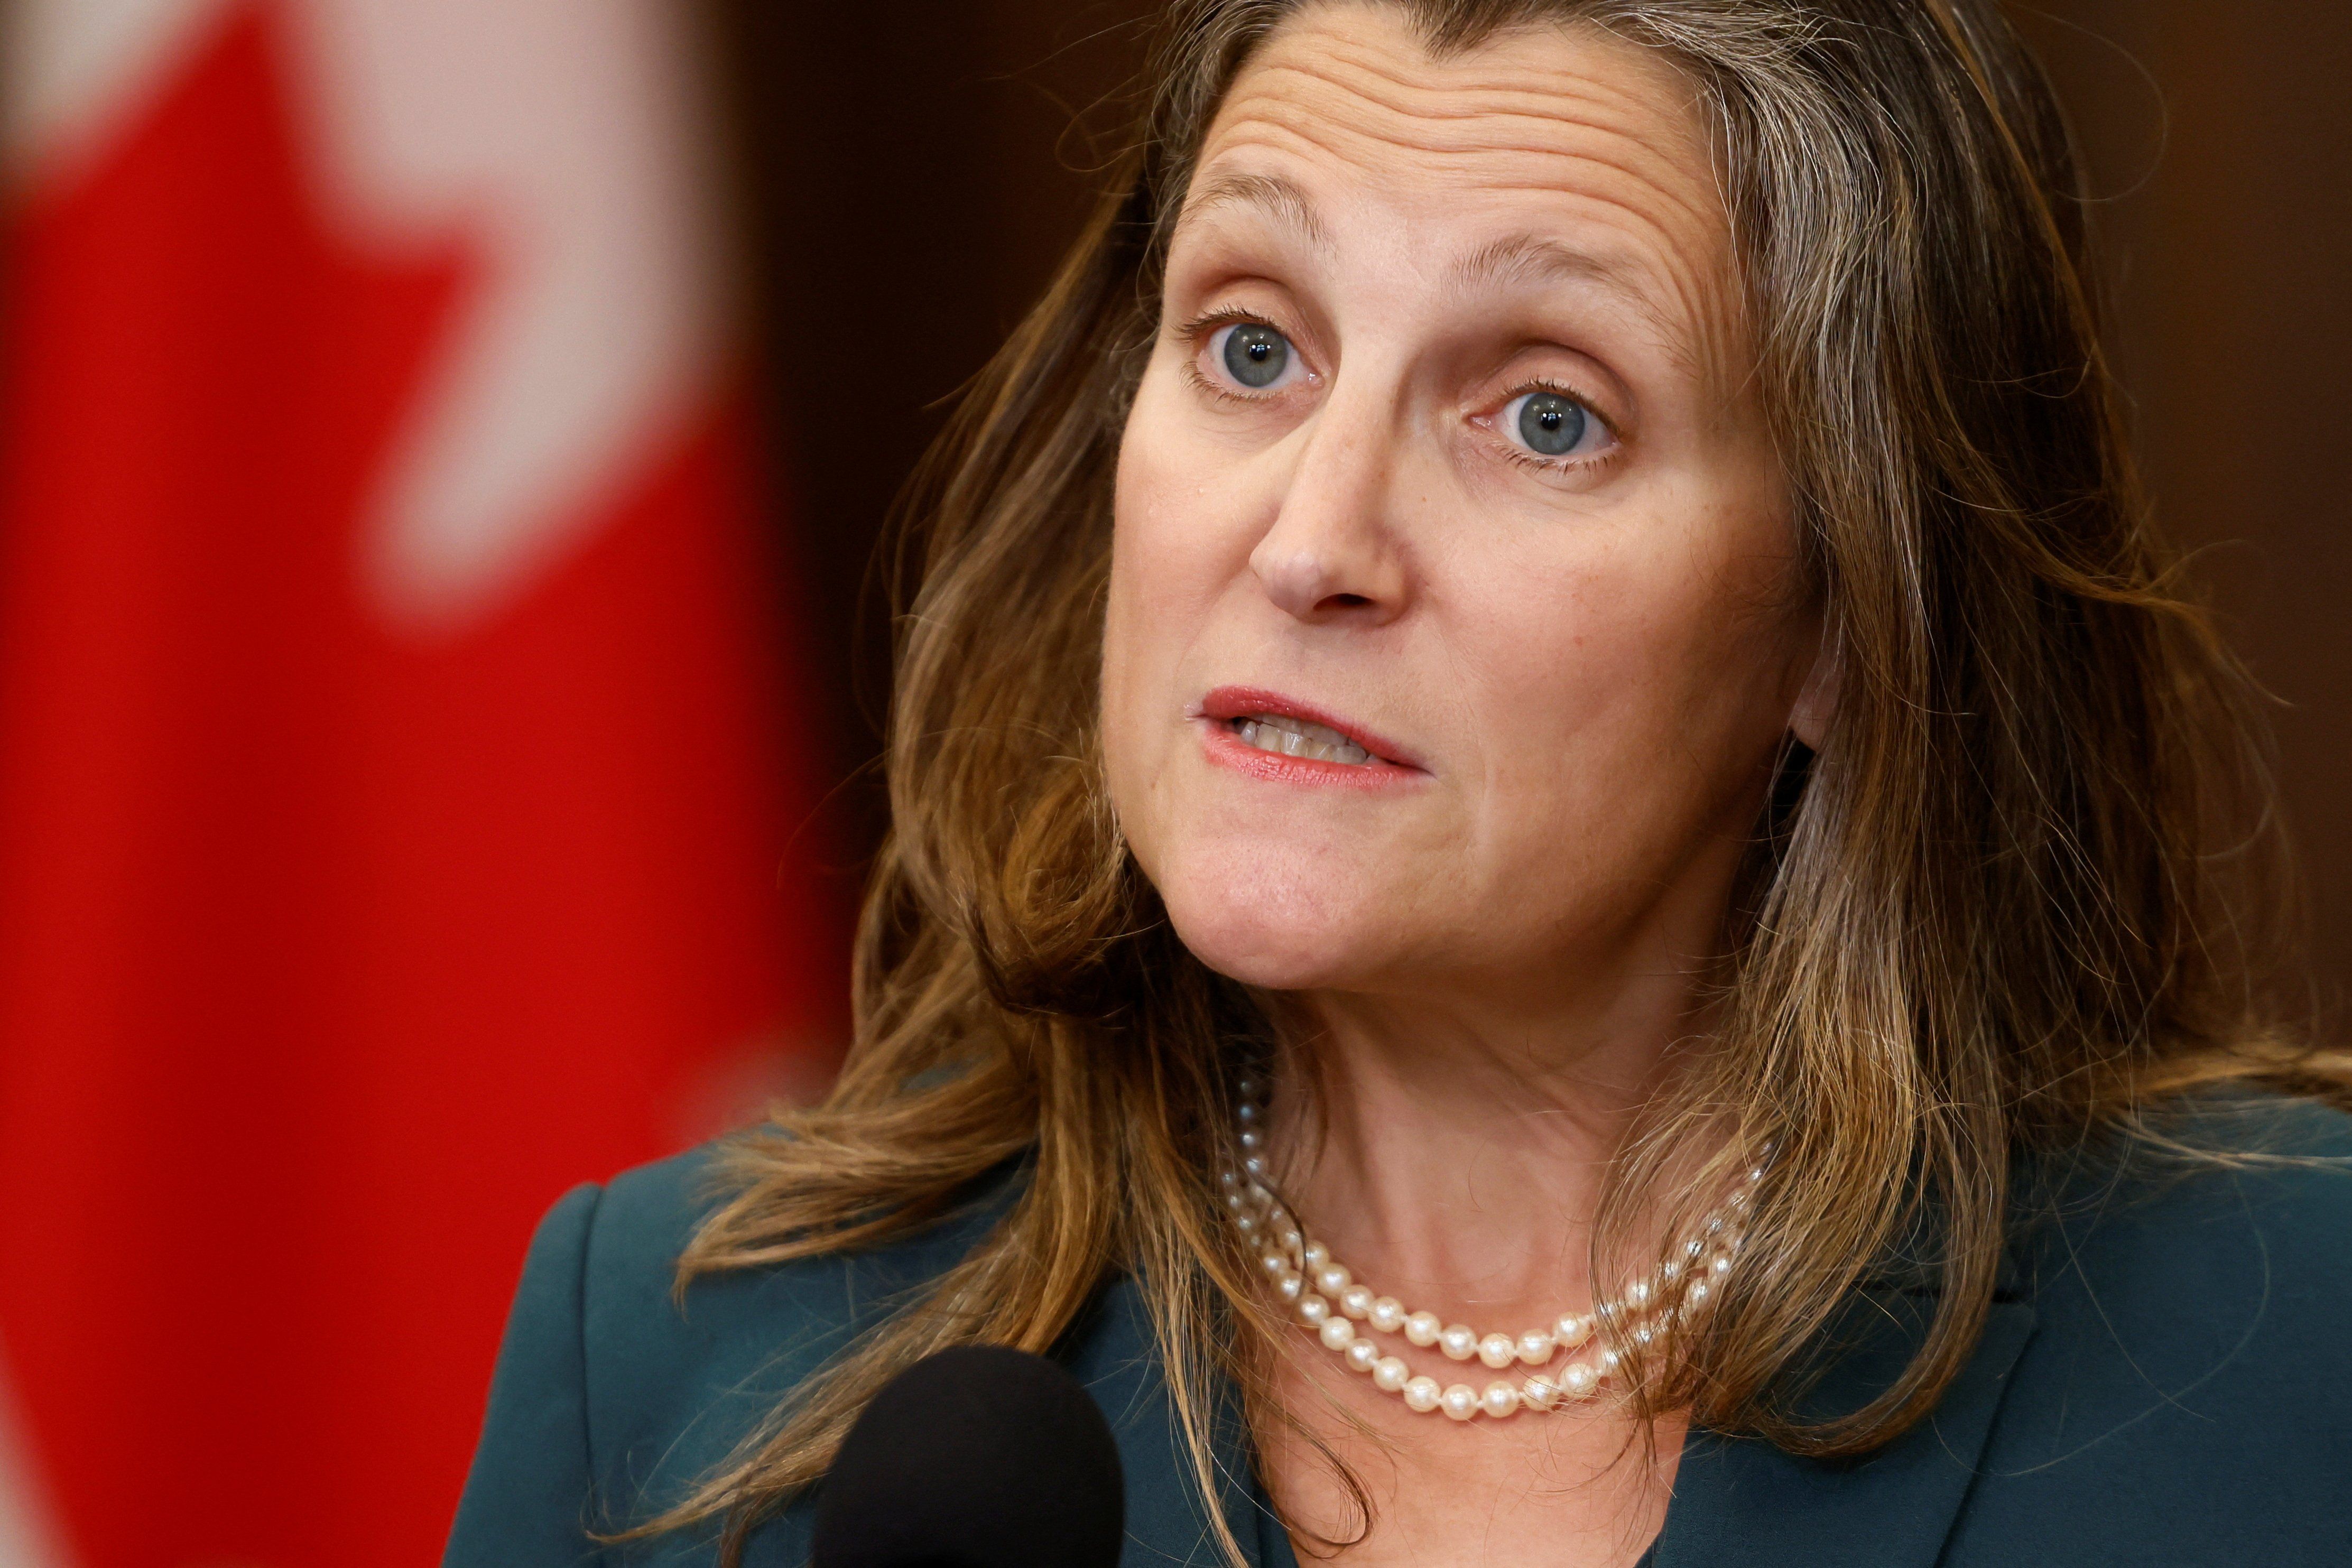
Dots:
{"x": 2222, "y": 133}
{"x": 910, "y": 177}
{"x": 913, "y": 173}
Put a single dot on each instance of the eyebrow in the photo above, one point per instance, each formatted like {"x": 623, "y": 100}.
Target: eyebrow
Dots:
{"x": 1516, "y": 258}
{"x": 1531, "y": 258}
{"x": 1271, "y": 194}
{"x": 1519, "y": 258}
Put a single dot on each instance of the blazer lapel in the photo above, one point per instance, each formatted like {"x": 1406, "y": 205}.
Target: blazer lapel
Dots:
{"x": 1741, "y": 1500}
{"x": 1113, "y": 1354}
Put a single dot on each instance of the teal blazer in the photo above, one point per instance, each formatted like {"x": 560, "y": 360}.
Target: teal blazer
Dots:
{"x": 2164, "y": 1379}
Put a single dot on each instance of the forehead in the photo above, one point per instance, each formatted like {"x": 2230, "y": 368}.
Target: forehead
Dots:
{"x": 1557, "y": 138}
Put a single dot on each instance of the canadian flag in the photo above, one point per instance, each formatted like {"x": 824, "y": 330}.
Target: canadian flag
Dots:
{"x": 399, "y": 818}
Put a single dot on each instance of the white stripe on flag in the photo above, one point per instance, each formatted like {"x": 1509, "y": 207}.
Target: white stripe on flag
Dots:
{"x": 77, "y": 71}
{"x": 28, "y": 1533}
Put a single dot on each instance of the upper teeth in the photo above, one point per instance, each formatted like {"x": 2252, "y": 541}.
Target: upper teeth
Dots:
{"x": 1297, "y": 738}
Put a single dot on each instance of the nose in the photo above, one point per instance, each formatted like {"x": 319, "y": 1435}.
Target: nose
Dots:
{"x": 1332, "y": 552}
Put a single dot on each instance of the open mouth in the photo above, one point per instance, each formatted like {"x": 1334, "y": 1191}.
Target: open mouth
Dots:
{"x": 1271, "y": 735}
{"x": 1297, "y": 738}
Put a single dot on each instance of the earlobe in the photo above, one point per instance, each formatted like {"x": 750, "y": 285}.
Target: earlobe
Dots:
{"x": 1809, "y": 718}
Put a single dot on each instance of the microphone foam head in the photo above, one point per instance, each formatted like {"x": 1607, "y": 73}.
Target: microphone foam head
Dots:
{"x": 981, "y": 1457}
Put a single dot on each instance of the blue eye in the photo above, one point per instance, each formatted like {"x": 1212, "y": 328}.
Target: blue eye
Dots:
{"x": 1256, "y": 355}
{"x": 1553, "y": 426}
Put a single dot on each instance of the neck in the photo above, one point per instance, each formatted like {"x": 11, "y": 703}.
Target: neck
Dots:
{"x": 1455, "y": 1159}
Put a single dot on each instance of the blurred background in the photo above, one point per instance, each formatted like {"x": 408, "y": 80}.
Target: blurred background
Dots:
{"x": 443, "y": 443}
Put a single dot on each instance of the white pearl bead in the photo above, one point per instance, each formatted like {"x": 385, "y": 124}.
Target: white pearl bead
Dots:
{"x": 1390, "y": 1375}
{"x": 1693, "y": 1248}
{"x": 1579, "y": 1380}
{"x": 1251, "y": 1143}
{"x": 1313, "y": 1309}
{"x": 1237, "y": 1203}
{"x": 1571, "y": 1330}
{"x": 1245, "y": 1112}
{"x": 1289, "y": 1284}
{"x": 1274, "y": 1263}
{"x": 1387, "y": 1314}
{"x": 1333, "y": 1277}
{"x": 1337, "y": 1333}
{"x": 1671, "y": 1270}
{"x": 1637, "y": 1293}
{"x": 1356, "y": 1301}
{"x": 1609, "y": 1362}
{"x": 1318, "y": 1254}
{"x": 1255, "y": 1165}
{"x": 1498, "y": 1350}
{"x": 1422, "y": 1394}
{"x": 1536, "y": 1346}
{"x": 1362, "y": 1355}
{"x": 1460, "y": 1402}
{"x": 1459, "y": 1342}
{"x": 1229, "y": 1181}
{"x": 1720, "y": 1267}
{"x": 1696, "y": 1295}
{"x": 1289, "y": 1239}
{"x": 1643, "y": 1334}
{"x": 1246, "y": 1224}
{"x": 1500, "y": 1399}
{"x": 1539, "y": 1393}
{"x": 1423, "y": 1329}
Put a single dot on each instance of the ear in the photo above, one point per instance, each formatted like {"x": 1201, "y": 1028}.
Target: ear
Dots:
{"x": 1816, "y": 705}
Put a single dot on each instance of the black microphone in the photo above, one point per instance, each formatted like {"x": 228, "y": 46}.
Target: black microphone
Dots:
{"x": 981, "y": 1457}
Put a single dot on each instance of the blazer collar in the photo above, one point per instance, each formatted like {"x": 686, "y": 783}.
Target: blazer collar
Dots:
{"x": 1112, "y": 1353}
{"x": 1740, "y": 1499}
{"x": 1736, "y": 1499}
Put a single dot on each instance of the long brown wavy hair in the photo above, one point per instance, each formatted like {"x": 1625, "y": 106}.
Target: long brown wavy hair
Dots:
{"x": 2027, "y": 886}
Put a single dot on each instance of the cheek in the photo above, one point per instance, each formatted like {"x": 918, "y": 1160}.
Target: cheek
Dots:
{"x": 1127, "y": 631}
{"x": 1634, "y": 696}
{"x": 1162, "y": 577}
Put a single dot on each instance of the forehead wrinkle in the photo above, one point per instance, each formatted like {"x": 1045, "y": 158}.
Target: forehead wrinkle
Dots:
{"x": 1514, "y": 128}
{"x": 1439, "y": 94}
{"x": 1312, "y": 129}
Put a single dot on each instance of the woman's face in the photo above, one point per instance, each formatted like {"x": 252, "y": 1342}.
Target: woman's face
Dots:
{"x": 1453, "y": 624}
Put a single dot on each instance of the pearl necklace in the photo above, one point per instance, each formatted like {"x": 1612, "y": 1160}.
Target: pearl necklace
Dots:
{"x": 1326, "y": 1299}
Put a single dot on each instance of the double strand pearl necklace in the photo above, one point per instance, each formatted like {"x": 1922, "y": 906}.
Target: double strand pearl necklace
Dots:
{"x": 1326, "y": 1299}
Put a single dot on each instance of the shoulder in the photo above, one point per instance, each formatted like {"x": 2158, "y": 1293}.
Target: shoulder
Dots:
{"x": 2242, "y": 1203}
{"x": 2188, "y": 1373}
{"x": 677, "y": 1378}
{"x": 616, "y": 1392}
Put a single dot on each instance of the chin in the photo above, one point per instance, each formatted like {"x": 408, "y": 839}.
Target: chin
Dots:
{"x": 1274, "y": 932}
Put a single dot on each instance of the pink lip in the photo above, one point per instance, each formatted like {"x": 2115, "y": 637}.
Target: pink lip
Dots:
{"x": 1390, "y": 765}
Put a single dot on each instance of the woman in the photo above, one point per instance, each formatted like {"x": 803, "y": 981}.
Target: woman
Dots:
{"x": 1540, "y": 672}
